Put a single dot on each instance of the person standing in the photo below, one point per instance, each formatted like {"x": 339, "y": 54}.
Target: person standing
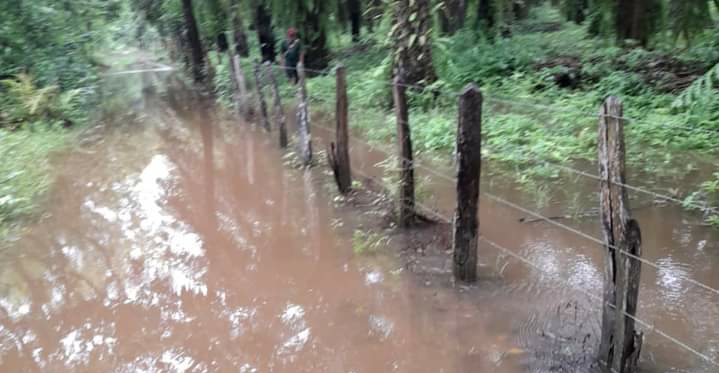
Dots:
{"x": 291, "y": 53}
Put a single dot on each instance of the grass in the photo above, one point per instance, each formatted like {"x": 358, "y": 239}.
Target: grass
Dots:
{"x": 528, "y": 118}
{"x": 25, "y": 173}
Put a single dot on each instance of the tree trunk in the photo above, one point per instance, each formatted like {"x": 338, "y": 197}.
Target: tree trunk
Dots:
{"x": 406, "y": 160}
{"x": 355, "y": 12}
{"x": 486, "y": 15}
{"x": 575, "y": 10}
{"x": 193, "y": 36}
{"x": 313, "y": 32}
{"x": 342, "y": 14}
{"x": 452, "y": 16}
{"x": 241, "y": 46}
{"x": 412, "y": 36}
{"x": 520, "y": 9}
{"x": 634, "y": 19}
{"x": 265, "y": 36}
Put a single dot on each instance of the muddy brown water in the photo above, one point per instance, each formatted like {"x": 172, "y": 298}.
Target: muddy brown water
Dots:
{"x": 176, "y": 240}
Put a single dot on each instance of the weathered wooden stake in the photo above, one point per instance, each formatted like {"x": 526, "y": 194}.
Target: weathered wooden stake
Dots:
{"x": 303, "y": 119}
{"x": 620, "y": 343}
{"x": 339, "y": 155}
{"x": 261, "y": 98}
{"x": 469, "y": 167}
{"x": 404, "y": 138}
{"x": 280, "y": 118}
{"x": 238, "y": 78}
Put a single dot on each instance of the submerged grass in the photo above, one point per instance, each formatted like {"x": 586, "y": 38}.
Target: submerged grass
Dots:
{"x": 25, "y": 173}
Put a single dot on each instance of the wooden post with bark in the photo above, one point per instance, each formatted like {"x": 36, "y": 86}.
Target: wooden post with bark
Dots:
{"x": 469, "y": 167}
{"x": 303, "y": 118}
{"x": 339, "y": 156}
{"x": 238, "y": 79}
{"x": 620, "y": 343}
{"x": 261, "y": 98}
{"x": 280, "y": 119}
{"x": 406, "y": 168}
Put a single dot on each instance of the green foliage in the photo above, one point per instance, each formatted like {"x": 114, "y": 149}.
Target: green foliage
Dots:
{"x": 702, "y": 92}
{"x": 24, "y": 102}
{"x": 689, "y": 18}
{"x": 368, "y": 243}
{"x": 711, "y": 189}
{"x": 25, "y": 172}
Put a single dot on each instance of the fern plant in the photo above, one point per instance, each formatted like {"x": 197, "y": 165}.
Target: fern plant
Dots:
{"x": 25, "y": 102}
{"x": 700, "y": 90}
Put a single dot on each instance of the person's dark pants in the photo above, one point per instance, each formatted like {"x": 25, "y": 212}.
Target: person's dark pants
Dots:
{"x": 292, "y": 75}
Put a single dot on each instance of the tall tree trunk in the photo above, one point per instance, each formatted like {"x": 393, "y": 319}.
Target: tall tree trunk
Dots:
{"x": 634, "y": 19}
{"x": 355, "y": 12}
{"x": 575, "y": 10}
{"x": 412, "y": 36}
{"x": 342, "y": 13}
{"x": 520, "y": 9}
{"x": 313, "y": 32}
{"x": 265, "y": 36}
{"x": 486, "y": 14}
{"x": 238, "y": 30}
{"x": 193, "y": 36}
{"x": 452, "y": 16}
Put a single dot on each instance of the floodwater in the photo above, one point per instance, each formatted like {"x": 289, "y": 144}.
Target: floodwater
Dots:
{"x": 176, "y": 240}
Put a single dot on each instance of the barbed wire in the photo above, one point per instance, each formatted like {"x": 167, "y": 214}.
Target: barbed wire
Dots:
{"x": 513, "y": 102}
{"x": 545, "y": 219}
{"x": 705, "y": 209}
{"x": 648, "y": 326}
{"x": 645, "y": 324}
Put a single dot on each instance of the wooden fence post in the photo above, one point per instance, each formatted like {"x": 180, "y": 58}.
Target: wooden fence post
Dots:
{"x": 339, "y": 156}
{"x": 303, "y": 118}
{"x": 404, "y": 138}
{"x": 620, "y": 343}
{"x": 469, "y": 167}
{"x": 238, "y": 77}
{"x": 279, "y": 110}
{"x": 261, "y": 98}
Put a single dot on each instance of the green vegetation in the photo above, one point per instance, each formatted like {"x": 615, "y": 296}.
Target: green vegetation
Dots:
{"x": 25, "y": 172}
{"x": 542, "y": 90}
{"x": 49, "y": 75}
{"x": 544, "y": 68}
{"x": 367, "y": 243}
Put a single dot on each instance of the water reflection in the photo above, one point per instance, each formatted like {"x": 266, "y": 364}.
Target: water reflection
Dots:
{"x": 184, "y": 245}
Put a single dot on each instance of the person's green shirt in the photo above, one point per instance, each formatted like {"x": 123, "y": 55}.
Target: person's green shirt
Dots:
{"x": 292, "y": 50}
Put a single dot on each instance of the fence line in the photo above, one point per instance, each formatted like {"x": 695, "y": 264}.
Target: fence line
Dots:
{"x": 505, "y": 100}
{"x": 552, "y": 108}
{"x": 544, "y": 218}
{"x": 665, "y": 197}
{"x": 645, "y": 324}
{"x": 622, "y": 311}
{"x": 510, "y": 101}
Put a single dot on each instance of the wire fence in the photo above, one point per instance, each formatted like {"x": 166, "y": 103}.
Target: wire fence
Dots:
{"x": 439, "y": 216}
{"x": 534, "y": 157}
{"x": 647, "y": 326}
